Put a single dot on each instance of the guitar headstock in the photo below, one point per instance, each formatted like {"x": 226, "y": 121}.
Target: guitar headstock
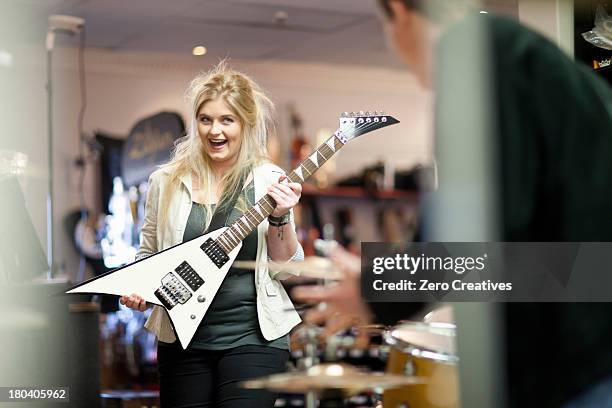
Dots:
{"x": 354, "y": 124}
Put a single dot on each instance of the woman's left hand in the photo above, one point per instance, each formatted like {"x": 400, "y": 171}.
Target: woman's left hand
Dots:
{"x": 286, "y": 196}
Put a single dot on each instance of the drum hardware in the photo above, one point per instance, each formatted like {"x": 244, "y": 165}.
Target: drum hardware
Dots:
{"x": 409, "y": 368}
{"x": 325, "y": 246}
{"x": 309, "y": 335}
{"x": 336, "y": 347}
{"x": 333, "y": 384}
{"x": 333, "y": 398}
{"x": 325, "y": 387}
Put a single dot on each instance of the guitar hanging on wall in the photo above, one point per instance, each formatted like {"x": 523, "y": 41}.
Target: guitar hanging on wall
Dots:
{"x": 185, "y": 278}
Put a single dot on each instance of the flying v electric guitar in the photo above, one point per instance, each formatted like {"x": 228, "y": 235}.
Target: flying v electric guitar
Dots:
{"x": 185, "y": 278}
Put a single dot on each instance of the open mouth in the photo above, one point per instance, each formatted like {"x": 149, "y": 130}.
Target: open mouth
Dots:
{"x": 217, "y": 144}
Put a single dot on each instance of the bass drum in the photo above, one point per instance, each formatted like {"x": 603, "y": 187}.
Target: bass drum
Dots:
{"x": 427, "y": 350}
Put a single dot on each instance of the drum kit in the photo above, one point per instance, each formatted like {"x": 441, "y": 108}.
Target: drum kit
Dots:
{"x": 420, "y": 369}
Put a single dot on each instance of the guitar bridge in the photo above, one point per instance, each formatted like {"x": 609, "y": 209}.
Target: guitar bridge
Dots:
{"x": 216, "y": 254}
{"x": 172, "y": 292}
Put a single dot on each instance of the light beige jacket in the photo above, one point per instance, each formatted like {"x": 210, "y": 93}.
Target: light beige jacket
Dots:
{"x": 275, "y": 312}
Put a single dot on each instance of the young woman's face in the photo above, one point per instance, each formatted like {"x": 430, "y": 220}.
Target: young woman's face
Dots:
{"x": 220, "y": 132}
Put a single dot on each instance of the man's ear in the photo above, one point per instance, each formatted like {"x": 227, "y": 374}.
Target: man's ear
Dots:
{"x": 400, "y": 11}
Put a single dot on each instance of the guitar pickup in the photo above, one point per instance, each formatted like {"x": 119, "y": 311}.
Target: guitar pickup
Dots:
{"x": 172, "y": 292}
{"x": 190, "y": 276}
{"x": 214, "y": 252}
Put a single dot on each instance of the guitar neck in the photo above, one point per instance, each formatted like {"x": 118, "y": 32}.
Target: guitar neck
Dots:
{"x": 318, "y": 158}
{"x": 247, "y": 223}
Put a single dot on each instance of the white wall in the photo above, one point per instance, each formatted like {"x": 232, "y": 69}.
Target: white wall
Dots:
{"x": 553, "y": 18}
{"x": 123, "y": 88}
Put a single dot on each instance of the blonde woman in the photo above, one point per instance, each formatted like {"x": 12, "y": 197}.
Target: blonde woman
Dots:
{"x": 217, "y": 171}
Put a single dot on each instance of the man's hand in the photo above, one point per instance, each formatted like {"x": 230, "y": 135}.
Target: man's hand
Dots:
{"x": 340, "y": 304}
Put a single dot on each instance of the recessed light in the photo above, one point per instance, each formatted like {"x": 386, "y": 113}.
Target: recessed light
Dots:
{"x": 281, "y": 17}
{"x": 199, "y": 50}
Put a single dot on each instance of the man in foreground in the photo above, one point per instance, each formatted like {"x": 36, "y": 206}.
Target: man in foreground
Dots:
{"x": 549, "y": 123}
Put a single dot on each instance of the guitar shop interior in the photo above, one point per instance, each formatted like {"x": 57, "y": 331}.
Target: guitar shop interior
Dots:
{"x": 97, "y": 104}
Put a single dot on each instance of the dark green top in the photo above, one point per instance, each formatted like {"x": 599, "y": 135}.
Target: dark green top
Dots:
{"x": 231, "y": 320}
{"x": 552, "y": 126}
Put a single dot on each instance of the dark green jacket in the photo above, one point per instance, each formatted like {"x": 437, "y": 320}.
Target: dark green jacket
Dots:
{"x": 552, "y": 128}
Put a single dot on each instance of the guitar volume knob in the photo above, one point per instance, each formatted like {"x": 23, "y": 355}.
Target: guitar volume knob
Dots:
{"x": 201, "y": 299}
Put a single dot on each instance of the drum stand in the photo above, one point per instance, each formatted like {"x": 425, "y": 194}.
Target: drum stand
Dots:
{"x": 310, "y": 359}
{"x": 310, "y": 398}
{"x": 328, "y": 398}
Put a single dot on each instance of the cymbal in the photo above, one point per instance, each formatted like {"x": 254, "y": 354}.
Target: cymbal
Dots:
{"x": 314, "y": 267}
{"x": 331, "y": 376}
{"x": 430, "y": 340}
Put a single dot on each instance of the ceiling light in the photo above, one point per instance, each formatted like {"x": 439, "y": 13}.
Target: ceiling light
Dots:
{"x": 484, "y": 12}
{"x": 199, "y": 50}
{"x": 281, "y": 17}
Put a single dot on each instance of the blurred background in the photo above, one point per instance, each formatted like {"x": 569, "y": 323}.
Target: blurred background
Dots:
{"x": 86, "y": 115}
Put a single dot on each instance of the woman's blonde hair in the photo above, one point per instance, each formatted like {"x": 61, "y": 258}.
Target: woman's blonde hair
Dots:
{"x": 254, "y": 111}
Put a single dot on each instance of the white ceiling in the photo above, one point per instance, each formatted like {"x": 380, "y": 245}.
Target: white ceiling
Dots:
{"x": 328, "y": 31}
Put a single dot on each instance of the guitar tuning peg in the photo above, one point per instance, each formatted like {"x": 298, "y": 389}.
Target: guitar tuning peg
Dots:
{"x": 345, "y": 114}
{"x": 352, "y": 114}
{"x": 368, "y": 113}
{"x": 375, "y": 113}
{"x": 360, "y": 113}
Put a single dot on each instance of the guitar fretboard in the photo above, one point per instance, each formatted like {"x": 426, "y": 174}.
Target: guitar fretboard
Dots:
{"x": 247, "y": 223}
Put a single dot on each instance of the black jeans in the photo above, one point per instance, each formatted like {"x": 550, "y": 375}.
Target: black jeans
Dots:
{"x": 210, "y": 378}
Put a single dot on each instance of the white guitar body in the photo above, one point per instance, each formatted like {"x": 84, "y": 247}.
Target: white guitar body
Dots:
{"x": 185, "y": 278}
{"x": 151, "y": 277}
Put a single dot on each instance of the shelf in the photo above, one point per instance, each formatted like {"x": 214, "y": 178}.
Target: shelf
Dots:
{"x": 309, "y": 190}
